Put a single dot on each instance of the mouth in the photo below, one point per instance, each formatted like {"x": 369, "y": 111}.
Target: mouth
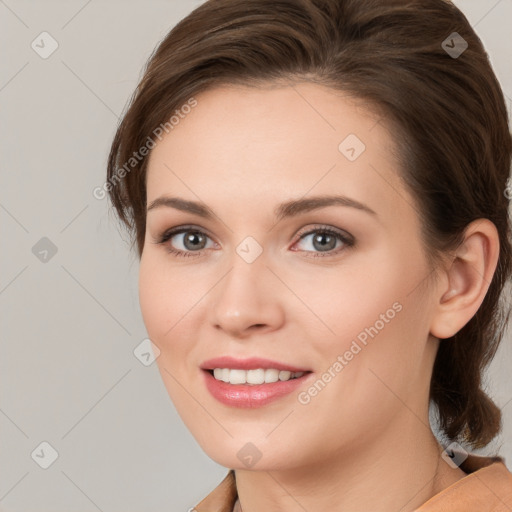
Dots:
{"x": 250, "y": 383}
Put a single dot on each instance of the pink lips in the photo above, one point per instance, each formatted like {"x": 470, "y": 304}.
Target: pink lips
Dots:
{"x": 245, "y": 395}
{"x": 252, "y": 363}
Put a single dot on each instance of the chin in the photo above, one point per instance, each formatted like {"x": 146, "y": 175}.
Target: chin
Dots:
{"x": 248, "y": 452}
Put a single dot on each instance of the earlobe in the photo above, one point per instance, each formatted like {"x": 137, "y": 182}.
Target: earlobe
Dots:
{"x": 467, "y": 279}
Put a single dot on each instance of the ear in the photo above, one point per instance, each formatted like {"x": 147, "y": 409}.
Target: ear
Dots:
{"x": 466, "y": 279}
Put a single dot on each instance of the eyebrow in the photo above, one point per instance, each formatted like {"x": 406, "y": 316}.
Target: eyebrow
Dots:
{"x": 287, "y": 209}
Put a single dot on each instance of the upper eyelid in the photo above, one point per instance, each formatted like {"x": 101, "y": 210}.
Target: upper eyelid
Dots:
{"x": 178, "y": 230}
{"x": 192, "y": 227}
{"x": 324, "y": 227}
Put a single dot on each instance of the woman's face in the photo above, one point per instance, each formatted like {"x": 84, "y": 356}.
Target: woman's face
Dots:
{"x": 259, "y": 277}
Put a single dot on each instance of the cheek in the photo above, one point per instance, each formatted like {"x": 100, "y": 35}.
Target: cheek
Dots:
{"x": 164, "y": 311}
{"x": 378, "y": 352}
{"x": 368, "y": 317}
{"x": 343, "y": 302}
{"x": 166, "y": 297}
{"x": 171, "y": 307}
{"x": 151, "y": 300}
{"x": 162, "y": 308}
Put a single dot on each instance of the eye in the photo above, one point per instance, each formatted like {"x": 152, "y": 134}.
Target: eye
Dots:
{"x": 325, "y": 240}
{"x": 184, "y": 241}
{"x": 190, "y": 241}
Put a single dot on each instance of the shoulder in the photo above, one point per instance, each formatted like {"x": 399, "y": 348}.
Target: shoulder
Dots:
{"x": 486, "y": 488}
{"x": 220, "y": 499}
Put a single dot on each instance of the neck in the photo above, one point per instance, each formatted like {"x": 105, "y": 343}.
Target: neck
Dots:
{"x": 388, "y": 475}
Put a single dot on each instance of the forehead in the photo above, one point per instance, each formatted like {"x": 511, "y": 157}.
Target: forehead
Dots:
{"x": 247, "y": 144}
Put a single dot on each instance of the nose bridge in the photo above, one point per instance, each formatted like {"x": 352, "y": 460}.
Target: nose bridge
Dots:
{"x": 245, "y": 296}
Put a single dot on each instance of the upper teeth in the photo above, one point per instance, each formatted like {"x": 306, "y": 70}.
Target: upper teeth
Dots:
{"x": 258, "y": 376}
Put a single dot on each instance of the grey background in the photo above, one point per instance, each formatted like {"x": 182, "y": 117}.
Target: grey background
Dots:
{"x": 70, "y": 324}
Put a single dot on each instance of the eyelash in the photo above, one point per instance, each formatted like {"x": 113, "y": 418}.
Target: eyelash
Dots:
{"x": 167, "y": 235}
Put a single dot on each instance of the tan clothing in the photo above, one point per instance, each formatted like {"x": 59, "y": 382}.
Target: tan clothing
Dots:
{"x": 486, "y": 488}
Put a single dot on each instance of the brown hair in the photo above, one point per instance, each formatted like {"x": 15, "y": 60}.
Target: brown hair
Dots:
{"x": 447, "y": 110}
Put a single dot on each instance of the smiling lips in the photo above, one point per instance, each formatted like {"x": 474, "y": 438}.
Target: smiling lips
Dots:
{"x": 250, "y": 383}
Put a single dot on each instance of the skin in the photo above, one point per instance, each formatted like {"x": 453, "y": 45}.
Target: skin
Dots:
{"x": 363, "y": 442}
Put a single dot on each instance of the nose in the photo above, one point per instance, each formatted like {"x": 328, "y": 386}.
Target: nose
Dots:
{"x": 247, "y": 300}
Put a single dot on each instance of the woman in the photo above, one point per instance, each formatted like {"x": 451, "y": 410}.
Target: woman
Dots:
{"x": 317, "y": 194}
